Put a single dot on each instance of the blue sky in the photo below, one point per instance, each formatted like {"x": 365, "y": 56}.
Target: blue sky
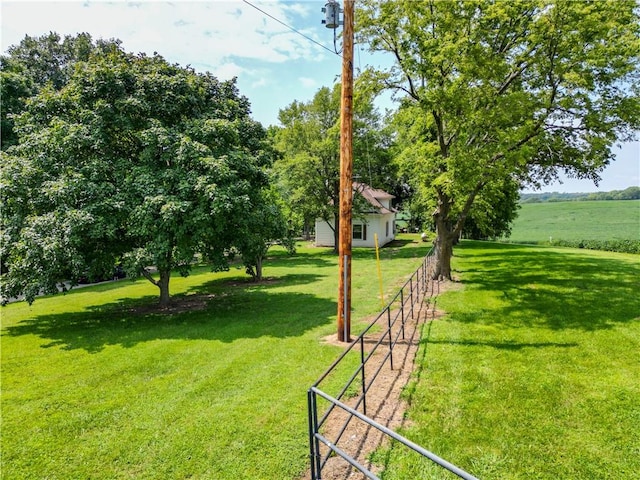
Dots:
{"x": 273, "y": 64}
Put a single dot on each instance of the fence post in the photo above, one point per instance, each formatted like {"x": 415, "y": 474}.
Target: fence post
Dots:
{"x": 425, "y": 283}
{"x": 364, "y": 378}
{"x": 402, "y": 310}
{"x": 411, "y": 294}
{"x": 314, "y": 444}
{"x": 433, "y": 286}
{"x": 427, "y": 273}
{"x": 312, "y": 456}
{"x": 390, "y": 339}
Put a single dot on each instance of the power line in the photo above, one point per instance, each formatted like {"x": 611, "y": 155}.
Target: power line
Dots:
{"x": 289, "y": 27}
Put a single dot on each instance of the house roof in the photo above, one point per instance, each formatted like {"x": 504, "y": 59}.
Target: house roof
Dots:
{"x": 374, "y": 196}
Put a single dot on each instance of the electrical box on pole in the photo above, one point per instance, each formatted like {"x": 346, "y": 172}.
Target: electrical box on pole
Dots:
{"x": 332, "y": 14}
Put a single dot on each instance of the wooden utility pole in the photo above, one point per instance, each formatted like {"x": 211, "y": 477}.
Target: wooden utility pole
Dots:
{"x": 346, "y": 174}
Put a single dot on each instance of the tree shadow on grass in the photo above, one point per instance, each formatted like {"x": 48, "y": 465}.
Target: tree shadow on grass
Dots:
{"x": 220, "y": 311}
{"x": 394, "y": 250}
{"x": 557, "y": 290}
{"x": 317, "y": 260}
{"x": 502, "y": 345}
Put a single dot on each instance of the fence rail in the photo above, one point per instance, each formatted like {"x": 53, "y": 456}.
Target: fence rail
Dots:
{"x": 394, "y": 316}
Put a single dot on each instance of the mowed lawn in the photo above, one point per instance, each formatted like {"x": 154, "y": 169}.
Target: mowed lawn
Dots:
{"x": 574, "y": 221}
{"x": 534, "y": 371}
{"x": 96, "y": 384}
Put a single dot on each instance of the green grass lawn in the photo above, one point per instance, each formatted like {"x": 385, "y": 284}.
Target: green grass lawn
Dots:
{"x": 534, "y": 372}
{"x": 95, "y": 385}
{"x": 575, "y": 221}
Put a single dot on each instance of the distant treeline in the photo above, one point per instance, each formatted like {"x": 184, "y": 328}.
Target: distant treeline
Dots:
{"x": 631, "y": 193}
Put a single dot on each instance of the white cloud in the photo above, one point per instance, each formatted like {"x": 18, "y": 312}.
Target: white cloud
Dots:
{"x": 307, "y": 82}
{"x": 193, "y": 32}
{"x": 226, "y": 71}
{"x": 304, "y": 10}
{"x": 262, "y": 82}
{"x": 227, "y": 38}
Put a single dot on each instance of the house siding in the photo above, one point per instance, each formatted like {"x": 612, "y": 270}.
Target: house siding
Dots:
{"x": 324, "y": 234}
{"x": 376, "y": 224}
{"x": 380, "y": 221}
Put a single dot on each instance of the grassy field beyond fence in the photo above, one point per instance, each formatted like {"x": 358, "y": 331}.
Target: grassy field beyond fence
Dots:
{"x": 534, "y": 371}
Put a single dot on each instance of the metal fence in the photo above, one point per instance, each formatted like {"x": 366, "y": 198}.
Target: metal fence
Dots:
{"x": 419, "y": 288}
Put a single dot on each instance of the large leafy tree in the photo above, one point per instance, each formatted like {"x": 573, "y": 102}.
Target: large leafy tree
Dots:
{"x": 521, "y": 89}
{"x": 309, "y": 138}
{"x": 133, "y": 160}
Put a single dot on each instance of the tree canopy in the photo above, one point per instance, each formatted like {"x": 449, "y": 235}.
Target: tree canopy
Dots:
{"x": 309, "y": 170}
{"x": 38, "y": 62}
{"x": 493, "y": 91}
{"x": 131, "y": 160}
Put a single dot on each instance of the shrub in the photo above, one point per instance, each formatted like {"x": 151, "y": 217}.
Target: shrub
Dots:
{"x": 620, "y": 246}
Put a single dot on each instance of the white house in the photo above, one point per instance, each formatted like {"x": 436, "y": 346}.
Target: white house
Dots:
{"x": 379, "y": 218}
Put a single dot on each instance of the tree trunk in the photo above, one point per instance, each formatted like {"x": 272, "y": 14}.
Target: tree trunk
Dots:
{"x": 444, "y": 239}
{"x": 444, "y": 252}
{"x": 306, "y": 231}
{"x": 449, "y": 232}
{"x": 258, "y": 276}
{"x": 163, "y": 285}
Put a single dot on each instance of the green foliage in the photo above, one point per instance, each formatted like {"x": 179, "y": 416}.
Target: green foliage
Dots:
{"x": 622, "y": 246}
{"x": 132, "y": 159}
{"x": 263, "y": 227}
{"x": 533, "y": 372}
{"x": 309, "y": 171}
{"x": 493, "y": 211}
{"x": 39, "y": 62}
{"x": 102, "y": 384}
{"x": 15, "y": 87}
{"x": 496, "y": 92}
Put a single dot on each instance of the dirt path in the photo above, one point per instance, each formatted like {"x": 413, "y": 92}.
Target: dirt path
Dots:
{"x": 384, "y": 402}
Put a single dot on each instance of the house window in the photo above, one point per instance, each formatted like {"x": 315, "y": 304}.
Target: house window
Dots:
{"x": 386, "y": 230}
{"x": 359, "y": 231}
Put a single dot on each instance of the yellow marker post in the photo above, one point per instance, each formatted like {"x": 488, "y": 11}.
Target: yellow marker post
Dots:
{"x": 375, "y": 237}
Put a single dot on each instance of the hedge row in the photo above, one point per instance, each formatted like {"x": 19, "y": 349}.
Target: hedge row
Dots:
{"x": 621, "y": 246}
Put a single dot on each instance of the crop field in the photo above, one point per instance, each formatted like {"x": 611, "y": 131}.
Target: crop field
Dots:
{"x": 550, "y": 222}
